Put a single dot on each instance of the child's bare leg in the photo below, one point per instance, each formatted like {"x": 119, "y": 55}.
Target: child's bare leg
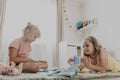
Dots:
{"x": 31, "y": 67}
{"x": 43, "y": 65}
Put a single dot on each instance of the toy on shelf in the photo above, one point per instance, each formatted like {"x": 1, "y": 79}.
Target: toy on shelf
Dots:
{"x": 70, "y": 23}
{"x": 86, "y": 23}
{"x": 79, "y": 25}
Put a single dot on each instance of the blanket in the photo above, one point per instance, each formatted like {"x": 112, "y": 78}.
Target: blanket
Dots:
{"x": 43, "y": 76}
{"x": 69, "y": 72}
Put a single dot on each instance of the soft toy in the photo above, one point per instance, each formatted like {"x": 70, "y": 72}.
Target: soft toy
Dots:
{"x": 79, "y": 25}
{"x": 85, "y": 23}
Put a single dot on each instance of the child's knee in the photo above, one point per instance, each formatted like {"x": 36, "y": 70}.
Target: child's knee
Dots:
{"x": 46, "y": 66}
{"x": 35, "y": 68}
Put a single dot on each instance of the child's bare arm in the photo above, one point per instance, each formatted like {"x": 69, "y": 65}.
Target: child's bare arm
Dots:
{"x": 81, "y": 66}
{"x": 103, "y": 58}
{"x": 100, "y": 68}
{"x": 13, "y": 56}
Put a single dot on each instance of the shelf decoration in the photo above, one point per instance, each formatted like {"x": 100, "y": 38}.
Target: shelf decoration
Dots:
{"x": 80, "y": 24}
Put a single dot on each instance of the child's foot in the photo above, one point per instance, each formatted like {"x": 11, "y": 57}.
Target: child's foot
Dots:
{"x": 12, "y": 64}
{"x": 20, "y": 67}
{"x": 11, "y": 67}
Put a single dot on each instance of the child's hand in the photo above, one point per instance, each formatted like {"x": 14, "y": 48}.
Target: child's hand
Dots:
{"x": 12, "y": 64}
{"x": 70, "y": 60}
{"x": 85, "y": 61}
{"x": 81, "y": 66}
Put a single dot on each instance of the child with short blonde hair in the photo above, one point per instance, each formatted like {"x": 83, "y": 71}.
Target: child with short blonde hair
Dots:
{"x": 20, "y": 48}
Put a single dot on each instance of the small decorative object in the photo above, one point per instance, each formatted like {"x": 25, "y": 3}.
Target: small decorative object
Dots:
{"x": 76, "y": 60}
{"x": 43, "y": 70}
{"x": 64, "y": 10}
{"x": 70, "y": 26}
{"x": 66, "y": 18}
{"x": 78, "y": 51}
{"x": 85, "y": 23}
{"x": 79, "y": 25}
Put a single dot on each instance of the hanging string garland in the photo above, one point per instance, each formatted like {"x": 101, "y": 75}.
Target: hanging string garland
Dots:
{"x": 67, "y": 18}
{"x": 79, "y": 24}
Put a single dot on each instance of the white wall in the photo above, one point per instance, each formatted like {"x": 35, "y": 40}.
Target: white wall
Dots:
{"x": 74, "y": 11}
{"x": 39, "y": 12}
{"x": 107, "y": 14}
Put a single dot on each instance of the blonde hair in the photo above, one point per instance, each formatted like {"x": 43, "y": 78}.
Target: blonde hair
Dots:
{"x": 32, "y": 28}
{"x": 96, "y": 46}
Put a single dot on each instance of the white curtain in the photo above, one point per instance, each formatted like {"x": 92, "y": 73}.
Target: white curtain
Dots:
{"x": 59, "y": 30}
{"x": 2, "y": 15}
